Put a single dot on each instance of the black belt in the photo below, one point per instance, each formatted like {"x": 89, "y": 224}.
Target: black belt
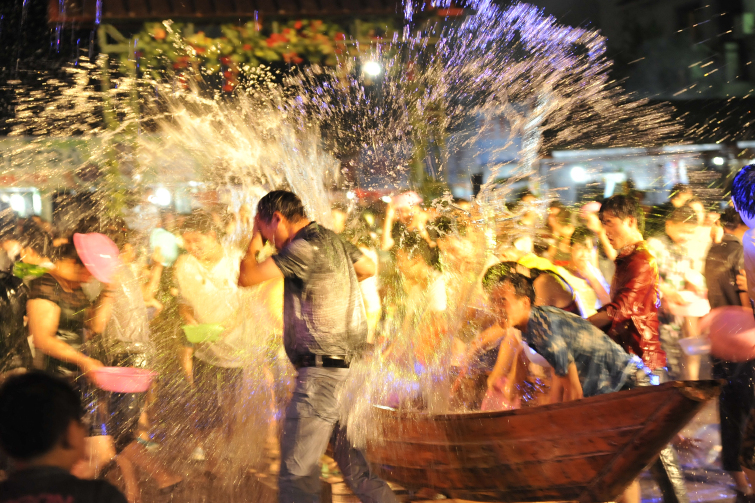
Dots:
{"x": 338, "y": 362}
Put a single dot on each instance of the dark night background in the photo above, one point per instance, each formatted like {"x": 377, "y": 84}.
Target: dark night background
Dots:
{"x": 695, "y": 53}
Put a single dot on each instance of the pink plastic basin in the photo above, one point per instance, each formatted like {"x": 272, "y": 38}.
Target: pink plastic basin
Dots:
{"x": 124, "y": 379}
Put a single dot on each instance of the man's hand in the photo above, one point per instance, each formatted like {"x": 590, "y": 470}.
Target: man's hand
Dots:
{"x": 87, "y": 365}
{"x": 742, "y": 280}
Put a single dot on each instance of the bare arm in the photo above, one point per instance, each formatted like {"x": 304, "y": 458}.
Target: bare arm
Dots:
{"x": 386, "y": 242}
{"x": 253, "y": 273}
{"x": 365, "y": 268}
{"x": 187, "y": 314}
{"x": 600, "y": 320}
{"x": 744, "y": 298}
{"x": 571, "y": 385}
{"x": 44, "y": 317}
{"x": 187, "y": 363}
{"x": 509, "y": 350}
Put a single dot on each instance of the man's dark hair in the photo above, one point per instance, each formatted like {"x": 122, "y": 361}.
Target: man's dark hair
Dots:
{"x": 623, "y": 207}
{"x": 200, "y": 221}
{"x": 583, "y": 236}
{"x": 743, "y": 190}
{"x": 730, "y": 219}
{"x": 506, "y": 272}
{"x": 496, "y": 273}
{"x": 679, "y": 188}
{"x": 284, "y": 202}
{"x": 36, "y": 238}
{"x": 36, "y": 410}
{"x": 682, "y": 215}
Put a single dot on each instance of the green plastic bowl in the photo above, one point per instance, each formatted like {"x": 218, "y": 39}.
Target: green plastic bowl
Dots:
{"x": 206, "y": 332}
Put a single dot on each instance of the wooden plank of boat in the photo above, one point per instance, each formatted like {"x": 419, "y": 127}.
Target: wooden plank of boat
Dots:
{"x": 587, "y": 450}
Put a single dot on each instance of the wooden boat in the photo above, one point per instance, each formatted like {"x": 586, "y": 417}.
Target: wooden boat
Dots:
{"x": 586, "y": 450}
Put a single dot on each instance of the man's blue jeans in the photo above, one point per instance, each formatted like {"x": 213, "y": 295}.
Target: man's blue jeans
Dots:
{"x": 311, "y": 422}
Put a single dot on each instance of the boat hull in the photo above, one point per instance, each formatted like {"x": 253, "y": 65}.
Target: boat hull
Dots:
{"x": 586, "y": 450}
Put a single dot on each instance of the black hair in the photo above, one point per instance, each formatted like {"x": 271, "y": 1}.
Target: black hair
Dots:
{"x": 622, "y": 207}
{"x": 730, "y": 219}
{"x": 743, "y": 190}
{"x": 34, "y": 237}
{"x": 506, "y": 272}
{"x": 496, "y": 273}
{"x": 66, "y": 251}
{"x": 36, "y": 410}
{"x": 581, "y": 236}
{"x": 200, "y": 221}
{"x": 284, "y": 202}
{"x": 683, "y": 214}
{"x": 415, "y": 245}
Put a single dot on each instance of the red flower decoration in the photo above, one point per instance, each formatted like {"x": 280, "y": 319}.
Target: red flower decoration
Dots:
{"x": 247, "y": 47}
{"x": 225, "y": 60}
{"x": 298, "y": 25}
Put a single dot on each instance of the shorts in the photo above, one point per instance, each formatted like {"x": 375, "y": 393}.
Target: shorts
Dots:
{"x": 215, "y": 390}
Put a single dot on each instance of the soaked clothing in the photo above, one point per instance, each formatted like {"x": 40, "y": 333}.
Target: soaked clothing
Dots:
{"x": 127, "y": 330}
{"x": 311, "y": 422}
{"x": 737, "y": 397}
{"x": 563, "y": 338}
{"x": 323, "y": 315}
{"x": 74, "y": 309}
{"x": 722, "y": 266}
{"x": 73, "y": 315}
{"x": 633, "y": 309}
{"x": 323, "y": 310}
{"x": 50, "y": 484}
{"x": 214, "y": 295}
{"x": 14, "y": 346}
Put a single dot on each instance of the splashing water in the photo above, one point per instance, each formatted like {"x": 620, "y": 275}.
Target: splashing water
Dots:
{"x": 549, "y": 83}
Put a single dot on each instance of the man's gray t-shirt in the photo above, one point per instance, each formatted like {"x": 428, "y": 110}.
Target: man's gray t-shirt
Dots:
{"x": 323, "y": 313}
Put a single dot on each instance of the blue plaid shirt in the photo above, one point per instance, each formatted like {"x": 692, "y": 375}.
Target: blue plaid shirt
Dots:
{"x": 562, "y": 338}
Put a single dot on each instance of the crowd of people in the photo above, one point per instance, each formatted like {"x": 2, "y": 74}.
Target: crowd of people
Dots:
{"x": 272, "y": 304}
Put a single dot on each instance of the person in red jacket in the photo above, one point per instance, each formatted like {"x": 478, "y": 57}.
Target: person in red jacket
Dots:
{"x": 631, "y": 319}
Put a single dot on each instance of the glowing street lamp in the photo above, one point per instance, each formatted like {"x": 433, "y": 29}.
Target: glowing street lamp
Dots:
{"x": 372, "y": 68}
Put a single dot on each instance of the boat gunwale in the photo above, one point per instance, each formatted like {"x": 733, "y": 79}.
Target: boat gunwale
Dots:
{"x": 709, "y": 388}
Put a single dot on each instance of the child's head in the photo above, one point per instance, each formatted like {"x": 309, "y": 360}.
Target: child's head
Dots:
{"x": 199, "y": 234}
{"x": 743, "y": 194}
{"x": 40, "y": 416}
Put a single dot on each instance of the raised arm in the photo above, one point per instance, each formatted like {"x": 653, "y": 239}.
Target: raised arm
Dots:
{"x": 44, "y": 316}
{"x": 253, "y": 272}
